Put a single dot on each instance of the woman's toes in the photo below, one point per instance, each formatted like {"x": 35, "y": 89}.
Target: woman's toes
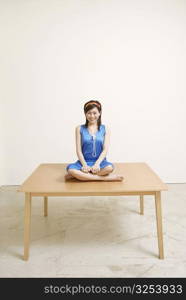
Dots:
{"x": 113, "y": 178}
{"x": 120, "y": 177}
{"x": 68, "y": 177}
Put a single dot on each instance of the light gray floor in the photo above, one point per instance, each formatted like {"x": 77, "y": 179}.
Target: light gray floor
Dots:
{"x": 93, "y": 236}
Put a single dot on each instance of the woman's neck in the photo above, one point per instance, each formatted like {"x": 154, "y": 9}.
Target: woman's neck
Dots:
{"x": 93, "y": 125}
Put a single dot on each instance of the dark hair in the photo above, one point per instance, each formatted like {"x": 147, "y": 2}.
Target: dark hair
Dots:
{"x": 90, "y": 105}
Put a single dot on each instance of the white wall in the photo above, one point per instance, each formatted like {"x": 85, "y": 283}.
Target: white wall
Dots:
{"x": 56, "y": 55}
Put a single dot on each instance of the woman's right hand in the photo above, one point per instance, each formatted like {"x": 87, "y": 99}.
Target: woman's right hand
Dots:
{"x": 85, "y": 169}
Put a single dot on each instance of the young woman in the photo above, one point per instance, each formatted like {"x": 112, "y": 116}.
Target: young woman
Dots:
{"x": 92, "y": 142}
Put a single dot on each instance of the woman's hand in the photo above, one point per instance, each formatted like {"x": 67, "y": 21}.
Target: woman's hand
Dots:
{"x": 85, "y": 169}
{"x": 95, "y": 168}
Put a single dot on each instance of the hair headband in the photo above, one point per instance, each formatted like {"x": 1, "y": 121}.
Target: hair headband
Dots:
{"x": 92, "y": 102}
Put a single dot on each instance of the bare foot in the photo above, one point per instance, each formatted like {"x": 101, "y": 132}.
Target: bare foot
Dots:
{"x": 68, "y": 177}
{"x": 112, "y": 177}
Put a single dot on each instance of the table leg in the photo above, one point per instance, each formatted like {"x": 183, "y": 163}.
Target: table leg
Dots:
{"x": 159, "y": 224}
{"x": 45, "y": 206}
{"x": 141, "y": 205}
{"x": 27, "y": 222}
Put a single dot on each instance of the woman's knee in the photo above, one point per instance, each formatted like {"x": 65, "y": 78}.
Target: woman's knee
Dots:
{"x": 106, "y": 170}
{"x": 109, "y": 168}
{"x": 72, "y": 171}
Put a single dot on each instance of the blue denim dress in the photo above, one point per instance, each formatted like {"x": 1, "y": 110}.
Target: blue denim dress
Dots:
{"x": 91, "y": 147}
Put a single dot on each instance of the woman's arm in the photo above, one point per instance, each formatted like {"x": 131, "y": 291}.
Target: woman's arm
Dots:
{"x": 105, "y": 146}
{"x": 78, "y": 147}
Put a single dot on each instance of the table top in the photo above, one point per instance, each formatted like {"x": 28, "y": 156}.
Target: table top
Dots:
{"x": 49, "y": 179}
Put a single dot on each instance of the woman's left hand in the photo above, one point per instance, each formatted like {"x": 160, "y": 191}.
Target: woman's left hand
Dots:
{"x": 95, "y": 168}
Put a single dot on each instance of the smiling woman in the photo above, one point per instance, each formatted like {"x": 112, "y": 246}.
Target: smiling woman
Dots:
{"x": 92, "y": 142}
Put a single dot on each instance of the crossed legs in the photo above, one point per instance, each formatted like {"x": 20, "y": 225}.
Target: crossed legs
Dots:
{"x": 102, "y": 175}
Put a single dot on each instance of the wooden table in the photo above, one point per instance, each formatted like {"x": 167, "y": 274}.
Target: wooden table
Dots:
{"x": 48, "y": 180}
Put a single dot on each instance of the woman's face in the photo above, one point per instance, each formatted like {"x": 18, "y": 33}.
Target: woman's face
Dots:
{"x": 92, "y": 115}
